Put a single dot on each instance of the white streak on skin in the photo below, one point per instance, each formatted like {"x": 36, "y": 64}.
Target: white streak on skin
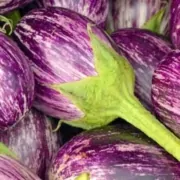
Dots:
{"x": 8, "y": 5}
{"x": 11, "y": 169}
{"x": 98, "y": 14}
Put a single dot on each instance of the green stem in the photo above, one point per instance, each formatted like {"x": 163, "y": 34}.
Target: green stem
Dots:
{"x": 134, "y": 113}
{"x": 7, "y": 23}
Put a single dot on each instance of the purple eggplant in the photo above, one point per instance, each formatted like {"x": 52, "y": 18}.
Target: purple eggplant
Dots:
{"x": 33, "y": 141}
{"x": 174, "y": 23}
{"x": 144, "y": 50}
{"x": 16, "y": 83}
{"x": 116, "y": 153}
{"x": 9, "y": 5}
{"x": 96, "y": 10}
{"x": 11, "y": 169}
{"x": 166, "y": 91}
{"x": 48, "y": 41}
{"x": 80, "y": 78}
{"x": 135, "y": 13}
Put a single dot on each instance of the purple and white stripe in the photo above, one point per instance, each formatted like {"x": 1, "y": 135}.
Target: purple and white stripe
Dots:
{"x": 33, "y": 141}
{"x": 134, "y": 13}
{"x": 96, "y": 10}
{"x": 175, "y": 23}
{"x": 16, "y": 83}
{"x": 113, "y": 153}
{"x": 9, "y": 5}
{"x": 166, "y": 91}
{"x": 11, "y": 169}
{"x": 57, "y": 43}
{"x": 144, "y": 50}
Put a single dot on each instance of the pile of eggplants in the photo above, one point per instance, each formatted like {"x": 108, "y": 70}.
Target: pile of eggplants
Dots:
{"x": 60, "y": 68}
{"x": 114, "y": 152}
{"x": 33, "y": 141}
{"x": 92, "y": 66}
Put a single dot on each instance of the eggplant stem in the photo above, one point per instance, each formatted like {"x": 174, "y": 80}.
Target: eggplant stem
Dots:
{"x": 7, "y": 23}
{"x": 134, "y": 113}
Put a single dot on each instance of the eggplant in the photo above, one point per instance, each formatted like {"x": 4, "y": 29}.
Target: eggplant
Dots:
{"x": 9, "y": 5}
{"x": 16, "y": 83}
{"x": 96, "y": 10}
{"x": 11, "y": 169}
{"x": 174, "y": 23}
{"x": 55, "y": 40}
{"x": 165, "y": 91}
{"x": 80, "y": 78}
{"x": 144, "y": 50}
{"x": 113, "y": 152}
{"x": 33, "y": 141}
{"x": 134, "y": 14}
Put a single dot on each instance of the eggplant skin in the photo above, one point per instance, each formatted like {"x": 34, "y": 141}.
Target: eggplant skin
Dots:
{"x": 16, "y": 83}
{"x": 113, "y": 152}
{"x": 54, "y": 38}
{"x": 134, "y": 13}
{"x": 144, "y": 50}
{"x": 11, "y": 169}
{"x": 9, "y": 5}
{"x": 174, "y": 23}
{"x": 96, "y": 10}
{"x": 33, "y": 141}
{"x": 166, "y": 91}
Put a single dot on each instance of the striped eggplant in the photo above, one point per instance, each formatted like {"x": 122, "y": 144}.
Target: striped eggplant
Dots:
{"x": 9, "y": 5}
{"x": 114, "y": 152}
{"x": 33, "y": 142}
{"x": 174, "y": 23}
{"x": 10, "y": 169}
{"x": 45, "y": 45}
{"x": 135, "y": 13}
{"x": 96, "y": 10}
{"x": 144, "y": 50}
{"x": 16, "y": 83}
{"x": 80, "y": 76}
{"x": 165, "y": 91}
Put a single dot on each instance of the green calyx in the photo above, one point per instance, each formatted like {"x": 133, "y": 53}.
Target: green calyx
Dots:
{"x": 14, "y": 17}
{"x": 83, "y": 176}
{"x": 110, "y": 94}
{"x": 4, "y": 150}
{"x": 154, "y": 23}
{"x": 93, "y": 95}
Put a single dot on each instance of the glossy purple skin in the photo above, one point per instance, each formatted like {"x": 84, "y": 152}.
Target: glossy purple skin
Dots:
{"x": 113, "y": 153}
{"x": 11, "y": 169}
{"x": 96, "y": 10}
{"x": 174, "y": 23}
{"x": 134, "y": 13}
{"x": 57, "y": 43}
{"x": 144, "y": 50}
{"x": 33, "y": 141}
{"x": 16, "y": 83}
{"x": 9, "y": 5}
{"x": 166, "y": 91}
